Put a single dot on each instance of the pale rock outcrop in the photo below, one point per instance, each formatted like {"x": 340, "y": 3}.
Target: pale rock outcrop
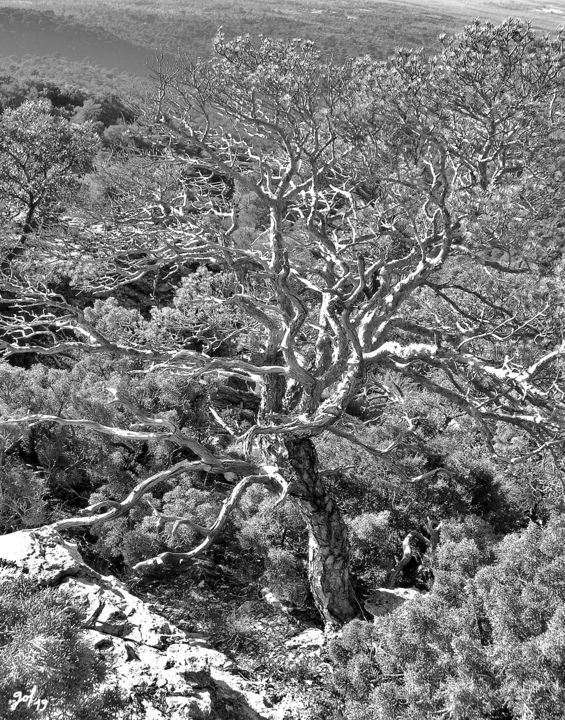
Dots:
{"x": 311, "y": 639}
{"x": 384, "y": 601}
{"x": 165, "y": 673}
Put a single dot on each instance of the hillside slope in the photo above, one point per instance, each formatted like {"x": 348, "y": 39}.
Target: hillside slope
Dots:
{"x": 122, "y": 35}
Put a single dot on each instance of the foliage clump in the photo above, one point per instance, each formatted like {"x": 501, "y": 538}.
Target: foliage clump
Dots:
{"x": 41, "y": 647}
{"x": 486, "y": 643}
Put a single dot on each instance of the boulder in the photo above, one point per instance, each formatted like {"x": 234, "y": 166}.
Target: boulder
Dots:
{"x": 384, "y": 601}
{"x": 42, "y": 555}
{"x": 165, "y": 673}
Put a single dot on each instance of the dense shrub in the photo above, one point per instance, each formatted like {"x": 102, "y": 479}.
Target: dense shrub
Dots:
{"x": 104, "y": 111}
{"x": 373, "y": 546}
{"x": 41, "y": 648}
{"x": 487, "y": 643}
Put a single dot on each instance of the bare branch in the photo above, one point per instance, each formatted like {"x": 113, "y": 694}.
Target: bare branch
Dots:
{"x": 89, "y": 516}
{"x": 168, "y": 559}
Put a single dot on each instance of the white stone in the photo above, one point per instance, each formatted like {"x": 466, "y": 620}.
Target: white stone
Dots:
{"x": 384, "y": 601}
{"x": 154, "y": 654}
{"x": 313, "y": 638}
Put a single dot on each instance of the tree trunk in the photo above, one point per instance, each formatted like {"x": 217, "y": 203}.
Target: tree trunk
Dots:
{"x": 27, "y": 229}
{"x": 328, "y": 552}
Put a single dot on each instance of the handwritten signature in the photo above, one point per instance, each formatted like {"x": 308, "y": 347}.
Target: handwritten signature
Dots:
{"x": 31, "y": 700}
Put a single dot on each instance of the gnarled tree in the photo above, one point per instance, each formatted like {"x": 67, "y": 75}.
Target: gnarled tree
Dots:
{"x": 372, "y": 220}
{"x": 42, "y": 156}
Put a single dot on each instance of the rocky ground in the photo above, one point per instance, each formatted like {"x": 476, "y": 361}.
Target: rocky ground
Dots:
{"x": 166, "y": 667}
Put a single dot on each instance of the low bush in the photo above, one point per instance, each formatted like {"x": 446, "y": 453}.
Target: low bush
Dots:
{"x": 42, "y": 655}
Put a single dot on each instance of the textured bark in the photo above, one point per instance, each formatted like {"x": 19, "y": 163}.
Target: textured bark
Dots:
{"x": 328, "y": 547}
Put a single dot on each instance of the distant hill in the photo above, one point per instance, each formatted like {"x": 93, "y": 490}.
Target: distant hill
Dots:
{"x": 124, "y": 35}
{"x": 32, "y": 32}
